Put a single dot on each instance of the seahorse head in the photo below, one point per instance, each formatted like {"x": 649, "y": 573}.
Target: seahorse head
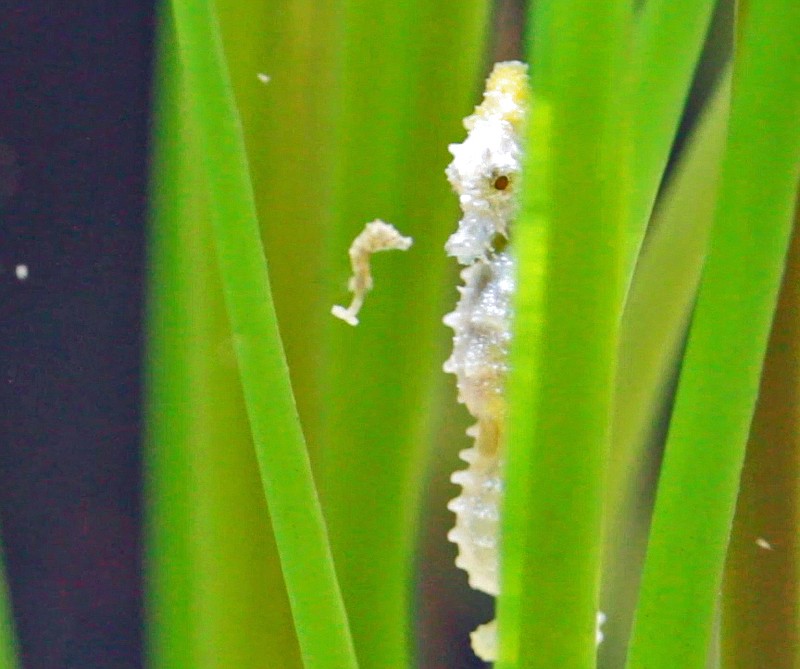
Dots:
{"x": 485, "y": 171}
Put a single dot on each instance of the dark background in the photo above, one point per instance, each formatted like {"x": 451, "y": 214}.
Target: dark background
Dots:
{"x": 75, "y": 83}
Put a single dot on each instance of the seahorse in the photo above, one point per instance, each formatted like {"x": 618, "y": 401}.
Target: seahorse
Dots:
{"x": 376, "y": 236}
{"x": 485, "y": 174}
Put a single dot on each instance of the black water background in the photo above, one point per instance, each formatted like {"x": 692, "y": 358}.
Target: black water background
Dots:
{"x": 74, "y": 105}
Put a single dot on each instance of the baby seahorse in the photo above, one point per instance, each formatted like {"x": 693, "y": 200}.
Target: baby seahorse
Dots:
{"x": 485, "y": 174}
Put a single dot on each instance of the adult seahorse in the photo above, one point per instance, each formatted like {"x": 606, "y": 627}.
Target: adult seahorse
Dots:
{"x": 485, "y": 174}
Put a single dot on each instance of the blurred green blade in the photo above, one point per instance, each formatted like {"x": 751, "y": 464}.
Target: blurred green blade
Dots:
{"x": 300, "y": 533}
{"x": 570, "y": 243}
{"x": 168, "y": 569}
{"x": 761, "y": 594}
{"x": 719, "y": 379}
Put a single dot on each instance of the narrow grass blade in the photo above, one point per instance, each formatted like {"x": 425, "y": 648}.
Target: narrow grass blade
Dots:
{"x": 761, "y": 594}
{"x": 207, "y": 577}
{"x": 719, "y": 379}
{"x": 300, "y": 533}
{"x": 652, "y": 332}
{"x": 570, "y": 244}
{"x": 408, "y": 73}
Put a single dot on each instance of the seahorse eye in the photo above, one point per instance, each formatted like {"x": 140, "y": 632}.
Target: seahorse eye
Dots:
{"x": 501, "y": 182}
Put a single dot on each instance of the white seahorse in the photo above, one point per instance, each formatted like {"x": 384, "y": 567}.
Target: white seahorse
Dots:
{"x": 485, "y": 173}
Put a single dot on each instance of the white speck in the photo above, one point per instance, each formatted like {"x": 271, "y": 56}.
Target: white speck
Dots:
{"x": 21, "y": 272}
{"x": 763, "y": 543}
{"x": 263, "y": 78}
{"x": 598, "y": 632}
